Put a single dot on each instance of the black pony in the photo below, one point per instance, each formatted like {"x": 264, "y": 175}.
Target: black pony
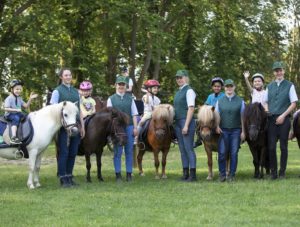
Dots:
{"x": 107, "y": 122}
{"x": 255, "y": 125}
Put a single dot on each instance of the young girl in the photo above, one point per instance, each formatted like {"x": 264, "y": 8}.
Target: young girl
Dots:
{"x": 217, "y": 84}
{"x": 150, "y": 100}
{"x": 257, "y": 91}
{"x": 87, "y": 103}
{"x": 13, "y": 107}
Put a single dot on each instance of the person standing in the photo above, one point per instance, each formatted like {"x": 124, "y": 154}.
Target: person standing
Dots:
{"x": 184, "y": 104}
{"x": 281, "y": 100}
{"x": 231, "y": 108}
{"x": 68, "y": 147}
{"x": 125, "y": 103}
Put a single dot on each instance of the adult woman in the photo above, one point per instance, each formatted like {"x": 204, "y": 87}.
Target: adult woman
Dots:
{"x": 125, "y": 103}
{"x": 231, "y": 108}
{"x": 184, "y": 103}
{"x": 68, "y": 147}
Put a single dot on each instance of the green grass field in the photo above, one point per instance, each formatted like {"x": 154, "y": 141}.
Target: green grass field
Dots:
{"x": 150, "y": 202}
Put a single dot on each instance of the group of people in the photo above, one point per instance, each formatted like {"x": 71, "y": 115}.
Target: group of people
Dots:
{"x": 279, "y": 100}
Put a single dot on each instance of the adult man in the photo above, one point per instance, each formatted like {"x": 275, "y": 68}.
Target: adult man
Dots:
{"x": 281, "y": 100}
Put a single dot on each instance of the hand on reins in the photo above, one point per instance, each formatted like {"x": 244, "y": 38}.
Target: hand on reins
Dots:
{"x": 218, "y": 130}
{"x": 184, "y": 130}
{"x": 279, "y": 120}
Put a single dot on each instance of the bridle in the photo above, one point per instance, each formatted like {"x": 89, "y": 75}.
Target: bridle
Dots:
{"x": 67, "y": 127}
{"x": 114, "y": 129}
{"x": 163, "y": 129}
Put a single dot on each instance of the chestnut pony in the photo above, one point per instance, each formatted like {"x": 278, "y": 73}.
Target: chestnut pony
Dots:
{"x": 158, "y": 138}
{"x": 106, "y": 122}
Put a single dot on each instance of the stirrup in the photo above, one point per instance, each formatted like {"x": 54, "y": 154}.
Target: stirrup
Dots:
{"x": 144, "y": 146}
{"x": 19, "y": 154}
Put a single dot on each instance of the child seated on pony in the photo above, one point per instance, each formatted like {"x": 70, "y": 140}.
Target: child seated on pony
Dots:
{"x": 13, "y": 108}
{"x": 87, "y": 103}
{"x": 150, "y": 101}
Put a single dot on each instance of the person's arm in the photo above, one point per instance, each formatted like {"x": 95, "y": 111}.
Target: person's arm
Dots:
{"x": 246, "y": 75}
{"x": 82, "y": 130}
{"x": 218, "y": 129}
{"x": 190, "y": 99}
{"x": 134, "y": 113}
{"x": 266, "y": 105}
{"x": 54, "y": 97}
{"x": 130, "y": 85}
{"x": 109, "y": 103}
{"x": 242, "y": 123}
{"x": 207, "y": 102}
{"x": 32, "y": 96}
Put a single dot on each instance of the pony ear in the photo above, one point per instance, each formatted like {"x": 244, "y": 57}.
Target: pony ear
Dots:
{"x": 213, "y": 108}
{"x": 65, "y": 103}
{"x": 76, "y": 103}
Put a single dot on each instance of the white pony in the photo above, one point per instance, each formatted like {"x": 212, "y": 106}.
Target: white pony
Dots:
{"x": 46, "y": 122}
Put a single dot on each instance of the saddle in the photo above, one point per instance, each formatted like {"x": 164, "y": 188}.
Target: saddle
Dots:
{"x": 143, "y": 134}
{"x": 24, "y": 133}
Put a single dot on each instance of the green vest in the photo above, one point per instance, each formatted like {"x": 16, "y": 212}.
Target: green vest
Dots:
{"x": 180, "y": 103}
{"x": 123, "y": 104}
{"x": 278, "y": 97}
{"x": 68, "y": 94}
{"x": 230, "y": 112}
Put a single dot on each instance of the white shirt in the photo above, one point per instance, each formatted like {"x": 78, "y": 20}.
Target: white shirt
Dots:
{"x": 152, "y": 102}
{"x": 258, "y": 96}
{"x": 190, "y": 96}
{"x": 134, "y": 111}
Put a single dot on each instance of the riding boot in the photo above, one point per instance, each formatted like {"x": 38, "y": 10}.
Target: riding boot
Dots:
{"x": 128, "y": 177}
{"x": 64, "y": 182}
{"x": 118, "y": 177}
{"x": 185, "y": 175}
{"x": 192, "y": 176}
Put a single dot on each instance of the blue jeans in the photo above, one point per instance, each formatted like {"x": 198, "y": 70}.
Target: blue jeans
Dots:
{"x": 67, "y": 154}
{"x": 185, "y": 143}
{"x": 229, "y": 142}
{"x": 128, "y": 152}
{"x": 15, "y": 118}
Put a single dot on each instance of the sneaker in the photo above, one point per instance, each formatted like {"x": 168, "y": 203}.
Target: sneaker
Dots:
{"x": 222, "y": 178}
{"x": 15, "y": 140}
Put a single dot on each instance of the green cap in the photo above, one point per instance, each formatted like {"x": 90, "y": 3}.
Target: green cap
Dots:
{"x": 278, "y": 65}
{"x": 182, "y": 72}
{"x": 228, "y": 82}
{"x": 121, "y": 79}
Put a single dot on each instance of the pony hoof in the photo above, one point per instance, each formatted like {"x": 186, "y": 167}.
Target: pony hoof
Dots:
{"x": 88, "y": 180}
{"x": 157, "y": 177}
{"x": 37, "y": 185}
{"x": 209, "y": 178}
{"x": 100, "y": 179}
{"x": 142, "y": 174}
{"x": 164, "y": 177}
{"x": 31, "y": 186}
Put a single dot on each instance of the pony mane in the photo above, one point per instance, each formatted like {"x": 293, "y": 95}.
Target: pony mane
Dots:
{"x": 165, "y": 112}
{"x": 122, "y": 118}
{"x": 207, "y": 116}
{"x": 254, "y": 112}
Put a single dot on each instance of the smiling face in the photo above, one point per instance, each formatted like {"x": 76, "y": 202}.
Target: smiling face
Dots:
{"x": 279, "y": 74}
{"x": 229, "y": 89}
{"x": 216, "y": 87}
{"x": 181, "y": 80}
{"x": 258, "y": 83}
{"x": 121, "y": 88}
{"x": 154, "y": 90}
{"x": 66, "y": 77}
{"x": 17, "y": 90}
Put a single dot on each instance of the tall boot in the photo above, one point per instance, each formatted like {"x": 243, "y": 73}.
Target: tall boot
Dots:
{"x": 128, "y": 177}
{"x": 192, "y": 176}
{"x": 118, "y": 177}
{"x": 185, "y": 175}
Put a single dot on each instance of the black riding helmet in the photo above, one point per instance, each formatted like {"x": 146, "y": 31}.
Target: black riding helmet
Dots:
{"x": 14, "y": 83}
{"x": 217, "y": 79}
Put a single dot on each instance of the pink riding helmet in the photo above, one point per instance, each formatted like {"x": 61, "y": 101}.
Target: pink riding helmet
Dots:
{"x": 85, "y": 85}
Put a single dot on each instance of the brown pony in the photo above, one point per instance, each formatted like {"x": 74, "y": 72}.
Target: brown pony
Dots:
{"x": 100, "y": 103}
{"x": 107, "y": 122}
{"x": 158, "y": 138}
{"x": 255, "y": 124}
{"x": 296, "y": 127}
{"x": 208, "y": 121}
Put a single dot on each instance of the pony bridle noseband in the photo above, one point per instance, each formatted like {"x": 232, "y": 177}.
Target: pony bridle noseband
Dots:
{"x": 67, "y": 127}
{"x": 114, "y": 130}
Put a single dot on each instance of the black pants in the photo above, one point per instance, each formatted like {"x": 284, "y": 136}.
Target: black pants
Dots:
{"x": 276, "y": 132}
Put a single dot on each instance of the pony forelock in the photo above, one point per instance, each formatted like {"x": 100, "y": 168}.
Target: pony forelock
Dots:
{"x": 165, "y": 112}
{"x": 207, "y": 116}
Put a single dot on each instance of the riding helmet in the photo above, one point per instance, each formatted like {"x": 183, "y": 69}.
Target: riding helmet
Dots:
{"x": 14, "y": 83}
{"x": 151, "y": 83}
{"x": 258, "y": 75}
{"x": 217, "y": 79}
{"x": 86, "y": 85}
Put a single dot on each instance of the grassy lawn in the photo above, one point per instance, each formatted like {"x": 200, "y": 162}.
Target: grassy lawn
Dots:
{"x": 150, "y": 202}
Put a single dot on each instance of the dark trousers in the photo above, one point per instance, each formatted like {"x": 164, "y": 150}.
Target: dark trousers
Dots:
{"x": 275, "y": 133}
{"x": 67, "y": 152}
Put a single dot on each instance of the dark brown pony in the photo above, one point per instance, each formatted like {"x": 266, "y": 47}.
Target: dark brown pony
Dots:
{"x": 296, "y": 127}
{"x": 107, "y": 122}
{"x": 255, "y": 126}
{"x": 158, "y": 138}
{"x": 100, "y": 103}
{"x": 208, "y": 121}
